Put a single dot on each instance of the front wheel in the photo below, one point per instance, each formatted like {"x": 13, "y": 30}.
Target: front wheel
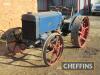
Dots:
{"x": 52, "y": 49}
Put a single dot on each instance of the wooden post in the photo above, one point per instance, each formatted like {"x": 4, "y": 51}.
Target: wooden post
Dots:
{"x": 89, "y": 6}
{"x": 85, "y": 5}
{"x": 62, "y": 2}
{"x": 78, "y": 6}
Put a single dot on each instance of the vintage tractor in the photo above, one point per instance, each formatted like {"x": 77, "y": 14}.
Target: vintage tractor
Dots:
{"x": 45, "y": 30}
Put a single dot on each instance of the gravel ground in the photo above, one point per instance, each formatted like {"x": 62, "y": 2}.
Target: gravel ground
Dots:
{"x": 32, "y": 64}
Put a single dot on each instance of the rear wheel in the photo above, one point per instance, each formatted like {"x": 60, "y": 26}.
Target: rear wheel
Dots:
{"x": 80, "y": 30}
{"x": 52, "y": 49}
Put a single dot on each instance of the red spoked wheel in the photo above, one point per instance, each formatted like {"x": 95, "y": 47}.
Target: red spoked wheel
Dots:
{"x": 80, "y": 31}
{"x": 52, "y": 49}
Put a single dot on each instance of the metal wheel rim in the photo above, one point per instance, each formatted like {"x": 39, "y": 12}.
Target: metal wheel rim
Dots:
{"x": 55, "y": 52}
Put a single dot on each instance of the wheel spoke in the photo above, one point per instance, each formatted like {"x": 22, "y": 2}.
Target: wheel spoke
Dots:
{"x": 53, "y": 57}
{"x": 57, "y": 39}
{"x": 82, "y": 26}
{"x": 55, "y": 52}
{"x": 60, "y": 47}
{"x": 52, "y": 49}
{"x": 83, "y": 29}
{"x": 86, "y": 28}
{"x": 80, "y": 32}
{"x": 51, "y": 45}
{"x": 82, "y": 38}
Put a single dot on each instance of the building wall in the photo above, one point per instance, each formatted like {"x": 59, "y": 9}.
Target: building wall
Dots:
{"x": 70, "y": 3}
{"x": 12, "y": 10}
{"x": 84, "y": 6}
{"x": 79, "y": 5}
{"x": 42, "y": 5}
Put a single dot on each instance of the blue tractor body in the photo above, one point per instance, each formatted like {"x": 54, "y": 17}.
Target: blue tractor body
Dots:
{"x": 49, "y": 21}
{"x": 35, "y": 25}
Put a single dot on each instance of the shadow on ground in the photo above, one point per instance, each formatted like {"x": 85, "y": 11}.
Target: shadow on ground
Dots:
{"x": 23, "y": 62}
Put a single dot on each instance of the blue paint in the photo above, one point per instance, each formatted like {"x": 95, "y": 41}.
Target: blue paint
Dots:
{"x": 49, "y": 21}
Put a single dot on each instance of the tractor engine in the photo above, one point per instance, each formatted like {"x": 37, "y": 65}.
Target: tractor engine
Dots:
{"x": 36, "y": 27}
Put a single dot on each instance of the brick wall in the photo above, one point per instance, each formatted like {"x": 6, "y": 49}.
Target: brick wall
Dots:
{"x": 11, "y": 11}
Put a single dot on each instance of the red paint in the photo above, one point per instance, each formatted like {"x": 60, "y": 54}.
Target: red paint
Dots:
{"x": 54, "y": 48}
{"x": 83, "y": 32}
